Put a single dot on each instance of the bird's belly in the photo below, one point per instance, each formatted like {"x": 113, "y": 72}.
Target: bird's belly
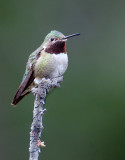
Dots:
{"x": 52, "y": 65}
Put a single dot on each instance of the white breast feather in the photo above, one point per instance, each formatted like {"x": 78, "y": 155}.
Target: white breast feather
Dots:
{"x": 61, "y": 64}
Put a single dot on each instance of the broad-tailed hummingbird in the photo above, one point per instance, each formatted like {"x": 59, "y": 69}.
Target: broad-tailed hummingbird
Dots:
{"x": 50, "y": 60}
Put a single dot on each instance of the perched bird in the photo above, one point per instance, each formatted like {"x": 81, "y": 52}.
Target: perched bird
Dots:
{"x": 50, "y": 60}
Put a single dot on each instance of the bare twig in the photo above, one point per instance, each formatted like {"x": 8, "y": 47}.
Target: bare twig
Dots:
{"x": 37, "y": 125}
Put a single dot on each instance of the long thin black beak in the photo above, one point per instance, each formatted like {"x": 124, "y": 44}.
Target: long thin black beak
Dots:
{"x": 72, "y": 35}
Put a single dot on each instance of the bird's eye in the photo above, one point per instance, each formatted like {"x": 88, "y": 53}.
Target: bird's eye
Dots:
{"x": 51, "y": 39}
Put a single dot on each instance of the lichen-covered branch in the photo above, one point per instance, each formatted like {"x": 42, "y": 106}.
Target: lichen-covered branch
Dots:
{"x": 37, "y": 124}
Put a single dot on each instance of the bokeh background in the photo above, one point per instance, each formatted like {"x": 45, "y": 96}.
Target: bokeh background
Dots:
{"x": 85, "y": 118}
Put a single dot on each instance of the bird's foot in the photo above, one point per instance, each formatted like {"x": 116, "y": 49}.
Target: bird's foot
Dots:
{"x": 56, "y": 82}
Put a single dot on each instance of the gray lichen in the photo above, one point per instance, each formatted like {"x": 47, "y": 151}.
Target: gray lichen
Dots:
{"x": 37, "y": 124}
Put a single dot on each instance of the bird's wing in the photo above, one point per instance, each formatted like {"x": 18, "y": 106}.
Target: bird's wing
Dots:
{"x": 28, "y": 76}
{"x": 31, "y": 61}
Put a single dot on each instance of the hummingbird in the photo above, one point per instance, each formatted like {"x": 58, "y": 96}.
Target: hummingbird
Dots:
{"x": 50, "y": 60}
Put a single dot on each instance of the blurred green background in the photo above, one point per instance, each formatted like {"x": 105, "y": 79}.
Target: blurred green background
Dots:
{"x": 85, "y": 119}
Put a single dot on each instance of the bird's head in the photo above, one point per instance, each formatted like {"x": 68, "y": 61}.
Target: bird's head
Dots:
{"x": 55, "y": 42}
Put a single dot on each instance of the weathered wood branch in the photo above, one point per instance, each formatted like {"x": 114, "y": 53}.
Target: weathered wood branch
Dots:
{"x": 37, "y": 124}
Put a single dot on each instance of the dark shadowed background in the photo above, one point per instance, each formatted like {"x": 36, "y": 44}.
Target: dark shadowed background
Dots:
{"x": 85, "y": 118}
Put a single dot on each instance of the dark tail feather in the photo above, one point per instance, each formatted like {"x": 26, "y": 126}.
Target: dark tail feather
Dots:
{"x": 19, "y": 94}
{"x": 17, "y": 99}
